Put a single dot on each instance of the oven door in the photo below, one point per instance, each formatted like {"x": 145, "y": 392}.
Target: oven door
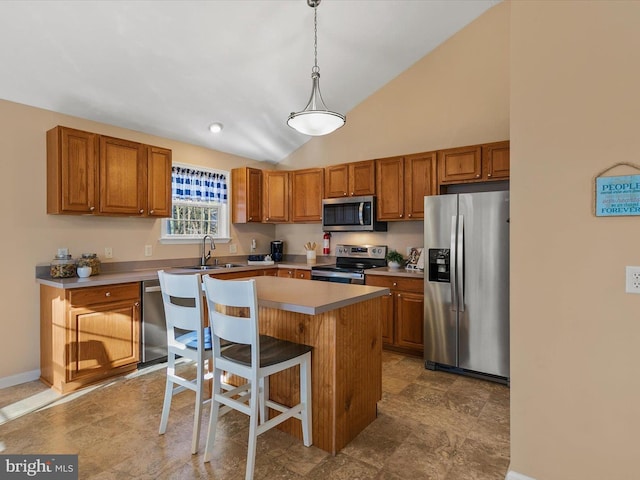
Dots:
{"x": 337, "y": 276}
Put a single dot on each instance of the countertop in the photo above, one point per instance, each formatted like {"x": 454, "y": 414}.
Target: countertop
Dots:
{"x": 395, "y": 272}
{"x": 144, "y": 274}
{"x": 293, "y": 295}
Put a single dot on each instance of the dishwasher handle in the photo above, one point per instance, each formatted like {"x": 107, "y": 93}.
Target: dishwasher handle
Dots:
{"x": 152, "y": 289}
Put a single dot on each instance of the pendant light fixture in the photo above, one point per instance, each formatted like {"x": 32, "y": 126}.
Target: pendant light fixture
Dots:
{"x": 316, "y": 119}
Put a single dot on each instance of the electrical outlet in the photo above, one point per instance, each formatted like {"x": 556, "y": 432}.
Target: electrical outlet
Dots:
{"x": 148, "y": 250}
{"x": 108, "y": 252}
{"x": 233, "y": 248}
{"x": 633, "y": 280}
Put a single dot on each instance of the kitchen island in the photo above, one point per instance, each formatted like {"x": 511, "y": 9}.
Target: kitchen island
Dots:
{"x": 343, "y": 324}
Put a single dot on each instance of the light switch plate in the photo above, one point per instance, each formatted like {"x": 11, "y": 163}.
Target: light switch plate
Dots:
{"x": 148, "y": 250}
{"x": 108, "y": 252}
{"x": 233, "y": 248}
{"x": 633, "y": 279}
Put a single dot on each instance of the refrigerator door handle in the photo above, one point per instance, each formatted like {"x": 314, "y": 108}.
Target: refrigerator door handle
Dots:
{"x": 460, "y": 263}
{"x": 452, "y": 271}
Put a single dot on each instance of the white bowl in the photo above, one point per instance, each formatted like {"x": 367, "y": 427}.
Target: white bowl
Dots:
{"x": 84, "y": 272}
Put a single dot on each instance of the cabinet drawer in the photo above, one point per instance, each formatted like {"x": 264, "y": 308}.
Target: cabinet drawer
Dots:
{"x": 104, "y": 294}
{"x": 396, "y": 283}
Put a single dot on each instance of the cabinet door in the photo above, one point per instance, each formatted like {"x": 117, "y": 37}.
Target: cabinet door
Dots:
{"x": 303, "y": 274}
{"x": 387, "y": 319}
{"x": 409, "y": 324}
{"x": 276, "y": 196}
{"x": 419, "y": 181}
{"x": 459, "y": 165}
{"x": 362, "y": 178}
{"x": 72, "y": 171}
{"x": 390, "y": 188}
{"x": 286, "y": 272}
{"x": 336, "y": 178}
{"x": 122, "y": 177}
{"x": 246, "y": 195}
{"x": 102, "y": 338}
{"x": 307, "y": 188}
{"x": 495, "y": 156}
{"x": 158, "y": 182}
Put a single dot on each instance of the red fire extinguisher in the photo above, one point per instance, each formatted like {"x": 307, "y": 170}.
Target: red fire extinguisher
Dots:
{"x": 326, "y": 243}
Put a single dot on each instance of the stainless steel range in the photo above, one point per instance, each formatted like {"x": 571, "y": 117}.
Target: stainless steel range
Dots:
{"x": 351, "y": 262}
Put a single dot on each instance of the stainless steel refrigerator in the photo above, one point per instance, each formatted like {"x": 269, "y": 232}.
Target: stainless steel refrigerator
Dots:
{"x": 466, "y": 272}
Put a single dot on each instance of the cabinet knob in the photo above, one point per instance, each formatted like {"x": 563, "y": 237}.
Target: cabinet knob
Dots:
{"x": 267, "y": 219}
{"x": 91, "y": 209}
{"x": 488, "y": 174}
{"x": 108, "y": 294}
{"x": 395, "y": 284}
{"x": 151, "y": 211}
{"x": 345, "y": 194}
{"x": 409, "y": 215}
{"x": 478, "y": 176}
{"x": 141, "y": 210}
{"x": 250, "y": 218}
{"x": 400, "y": 215}
{"x": 352, "y": 194}
{"x": 137, "y": 304}
{"x": 399, "y": 295}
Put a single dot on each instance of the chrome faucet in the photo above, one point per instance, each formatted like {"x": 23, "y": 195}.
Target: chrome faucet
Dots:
{"x": 205, "y": 258}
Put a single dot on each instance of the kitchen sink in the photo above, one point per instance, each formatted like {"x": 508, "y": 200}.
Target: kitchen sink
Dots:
{"x": 215, "y": 267}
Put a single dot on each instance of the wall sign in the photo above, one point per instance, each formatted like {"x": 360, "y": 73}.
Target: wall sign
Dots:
{"x": 617, "y": 196}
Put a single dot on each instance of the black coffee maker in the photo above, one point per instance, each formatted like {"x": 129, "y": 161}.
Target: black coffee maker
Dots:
{"x": 277, "y": 250}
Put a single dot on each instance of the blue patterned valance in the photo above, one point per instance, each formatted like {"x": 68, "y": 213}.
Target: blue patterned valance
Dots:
{"x": 196, "y": 185}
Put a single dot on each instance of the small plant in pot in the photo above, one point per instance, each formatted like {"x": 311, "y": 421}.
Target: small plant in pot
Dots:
{"x": 394, "y": 259}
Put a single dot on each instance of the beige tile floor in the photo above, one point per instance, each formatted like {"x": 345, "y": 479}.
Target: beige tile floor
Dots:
{"x": 431, "y": 425}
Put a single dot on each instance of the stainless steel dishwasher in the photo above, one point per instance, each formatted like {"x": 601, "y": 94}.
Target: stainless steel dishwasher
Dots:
{"x": 153, "y": 330}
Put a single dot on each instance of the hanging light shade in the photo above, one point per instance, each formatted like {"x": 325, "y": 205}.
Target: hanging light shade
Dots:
{"x": 316, "y": 119}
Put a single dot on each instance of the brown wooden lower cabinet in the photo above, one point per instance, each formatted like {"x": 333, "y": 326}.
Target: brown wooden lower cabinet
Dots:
{"x": 402, "y": 323}
{"x": 294, "y": 273}
{"x": 88, "y": 334}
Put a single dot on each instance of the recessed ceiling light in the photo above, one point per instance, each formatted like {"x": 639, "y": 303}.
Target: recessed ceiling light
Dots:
{"x": 215, "y": 127}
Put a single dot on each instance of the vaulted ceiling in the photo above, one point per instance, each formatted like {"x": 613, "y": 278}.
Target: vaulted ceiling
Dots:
{"x": 171, "y": 68}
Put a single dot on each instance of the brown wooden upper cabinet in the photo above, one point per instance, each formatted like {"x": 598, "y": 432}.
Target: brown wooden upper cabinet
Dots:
{"x": 475, "y": 163}
{"x": 276, "y": 191}
{"x": 402, "y": 183}
{"x": 307, "y": 189}
{"x": 495, "y": 158}
{"x": 459, "y": 165}
{"x": 246, "y": 195}
{"x": 89, "y": 173}
{"x": 350, "y": 179}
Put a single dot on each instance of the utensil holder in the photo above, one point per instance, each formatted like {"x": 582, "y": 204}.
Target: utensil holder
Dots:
{"x": 311, "y": 257}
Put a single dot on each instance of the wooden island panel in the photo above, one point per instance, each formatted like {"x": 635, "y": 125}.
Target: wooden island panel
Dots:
{"x": 346, "y": 369}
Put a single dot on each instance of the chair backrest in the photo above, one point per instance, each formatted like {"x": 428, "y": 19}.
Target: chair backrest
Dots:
{"x": 233, "y": 313}
{"x": 183, "y": 306}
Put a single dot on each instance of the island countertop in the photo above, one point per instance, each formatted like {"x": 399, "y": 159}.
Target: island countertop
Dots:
{"x": 309, "y": 297}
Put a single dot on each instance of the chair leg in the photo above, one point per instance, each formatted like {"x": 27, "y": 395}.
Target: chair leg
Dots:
{"x": 263, "y": 397}
{"x": 253, "y": 429}
{"x": 168, "y": 395}
{"x": 213, "y": 419}
{"x": 305, "y": 399}
{"x": 198, "y": 410}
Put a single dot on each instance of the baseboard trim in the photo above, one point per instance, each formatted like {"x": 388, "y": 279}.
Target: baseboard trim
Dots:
{"x": 19, "y": 378}
{"x": 511, "y": 475}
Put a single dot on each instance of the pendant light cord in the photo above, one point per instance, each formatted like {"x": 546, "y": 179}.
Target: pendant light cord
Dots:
{"x": 315, "y": 37}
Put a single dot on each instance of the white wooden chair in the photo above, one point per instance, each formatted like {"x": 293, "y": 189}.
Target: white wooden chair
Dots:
{"x": 253, "y": 357}
{"x": 183, "y": 307}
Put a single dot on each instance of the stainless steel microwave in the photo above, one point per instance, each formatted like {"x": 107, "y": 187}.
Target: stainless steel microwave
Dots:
{"x": 351, "y": 214}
